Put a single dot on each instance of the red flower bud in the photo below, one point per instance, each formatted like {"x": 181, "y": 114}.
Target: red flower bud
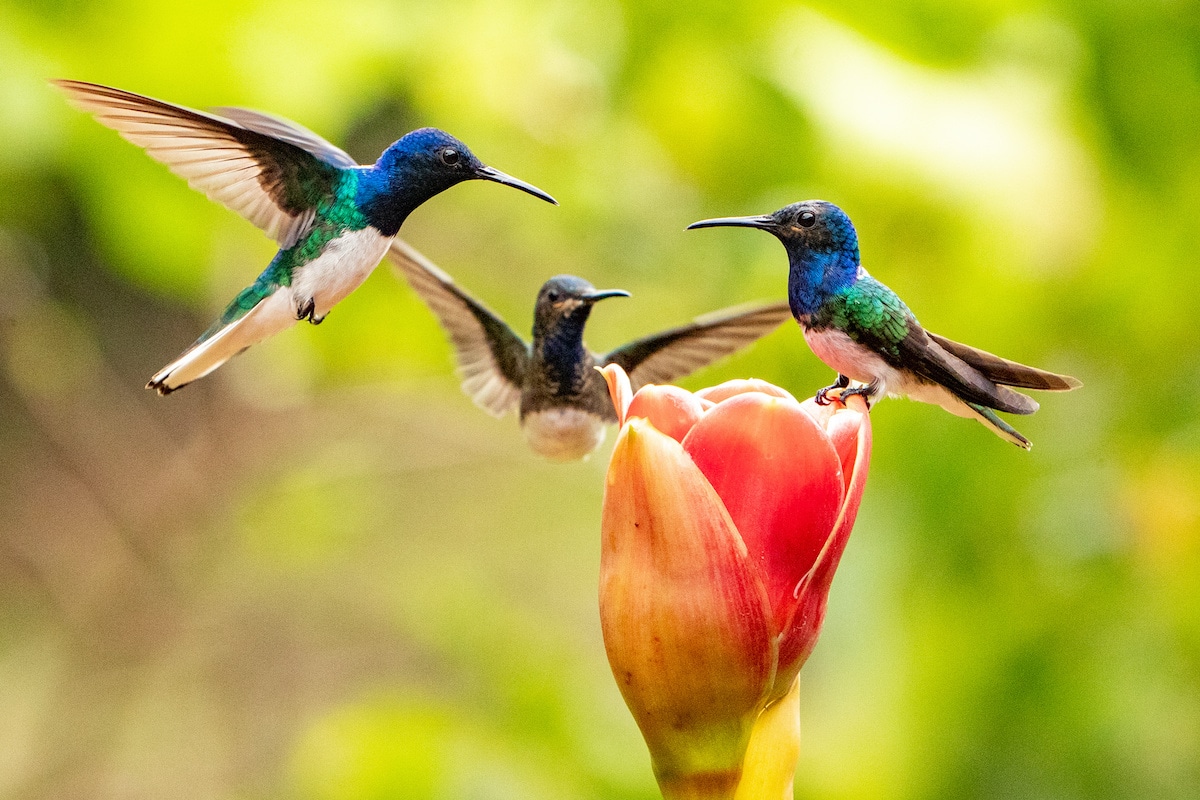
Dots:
{"x": 725, "y": 515}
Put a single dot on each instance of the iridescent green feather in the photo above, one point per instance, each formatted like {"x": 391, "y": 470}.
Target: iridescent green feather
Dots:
{"x": 335, "y": 215}
{"x": 870, "y": 314}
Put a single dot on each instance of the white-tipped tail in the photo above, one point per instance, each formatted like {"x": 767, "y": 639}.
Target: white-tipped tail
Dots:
{"x": 274, "y": 314}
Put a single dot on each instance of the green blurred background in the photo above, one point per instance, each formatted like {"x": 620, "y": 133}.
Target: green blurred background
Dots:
{"x": 323, "y": 574}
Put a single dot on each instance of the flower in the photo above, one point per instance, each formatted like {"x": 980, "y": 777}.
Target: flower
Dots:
{"x": 725, "y": 515}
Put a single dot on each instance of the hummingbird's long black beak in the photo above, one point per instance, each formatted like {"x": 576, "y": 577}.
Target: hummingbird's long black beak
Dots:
{"x": 764, "y": 221}
{"x": 592, "y": 297}
{"x": 492, "y": 174}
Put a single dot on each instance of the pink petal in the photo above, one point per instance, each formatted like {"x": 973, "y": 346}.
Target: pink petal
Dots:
{"x": 813, "y": 592}
{"x": 728, "y": 389}
{"x": 670, "y": 409}
{"x": 780, "y": 479}
{"x": 619, "y": 389}
{"x": 841, "y": 423}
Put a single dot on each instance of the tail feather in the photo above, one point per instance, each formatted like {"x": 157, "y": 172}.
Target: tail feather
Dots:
{"x": 220, "y": 343}
{"x": 1001, "y": 428}
{"x": 1007, "y": 373}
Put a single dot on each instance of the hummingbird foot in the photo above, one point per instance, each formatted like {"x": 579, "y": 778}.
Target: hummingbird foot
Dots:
{"x": 309, "y": 311}
{"x": 822, "y": 398}
{"x": 866, "y": 392}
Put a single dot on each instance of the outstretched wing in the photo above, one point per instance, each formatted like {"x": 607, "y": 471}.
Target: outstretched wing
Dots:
{"x": 270, "y": 171}
{"x": 492, "y": 358}
{"x": 672, "y": 354}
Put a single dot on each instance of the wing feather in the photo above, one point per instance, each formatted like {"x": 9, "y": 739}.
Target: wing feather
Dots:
{"x": 926, "y": 357}
{"x": 1007, "y": 373}
{"x": 670, "y": 355}
{"x": 492, "y": 358}
{"x": 269, "y": 170}
{"x": 873, "y": 315}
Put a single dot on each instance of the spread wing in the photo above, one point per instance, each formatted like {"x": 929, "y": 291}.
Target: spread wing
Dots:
{"x": 492, "y": 358}
{"x": 271, "y": 171}
{"x": 672, "y": 354}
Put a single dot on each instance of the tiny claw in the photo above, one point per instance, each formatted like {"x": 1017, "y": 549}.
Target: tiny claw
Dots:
{"x": 862, "y": 391}
{"x": 839, "y": 386}
{"x": 309, "y": 311}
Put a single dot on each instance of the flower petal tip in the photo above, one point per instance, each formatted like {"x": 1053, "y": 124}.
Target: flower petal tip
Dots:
{"x": 671, "y": 410}
{"x": 619, "y": 389}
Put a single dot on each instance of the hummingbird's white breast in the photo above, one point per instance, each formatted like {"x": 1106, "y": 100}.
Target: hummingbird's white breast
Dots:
{"x": 563, "y": 434}
{"x": 861, "y": 364}
{"x": 341, "y": 268}
{"x": 850, "y": 358}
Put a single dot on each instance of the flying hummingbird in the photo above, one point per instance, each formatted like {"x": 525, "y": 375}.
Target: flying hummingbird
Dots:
{"x": 333, "y": 219}
{"x": 563, "y": 403}
{"x": 860, "y": 328}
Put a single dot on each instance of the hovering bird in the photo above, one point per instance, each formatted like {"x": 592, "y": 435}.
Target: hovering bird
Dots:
{"x": 333, "y": 219}
{"x": 860, "y": 328}
{"x": 563, "y": 403}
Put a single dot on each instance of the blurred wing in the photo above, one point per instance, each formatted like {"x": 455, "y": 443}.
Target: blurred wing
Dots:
{"x": 270, "y": 171}
{"x": 492, "y": 359}
{"x": 670, "y": 355}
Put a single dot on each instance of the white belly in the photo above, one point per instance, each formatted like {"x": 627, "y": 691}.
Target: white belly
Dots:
{"x": 841, "y": 353}
{"x": 563, "y": 434}
{"x": 853, "y": 360}
{"x": 340, "y": 269}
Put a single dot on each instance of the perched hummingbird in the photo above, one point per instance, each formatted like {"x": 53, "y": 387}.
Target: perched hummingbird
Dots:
{"x": 861, "y": 328}
{"x": 562, "y": 401}
{"x": 333, "y": 218}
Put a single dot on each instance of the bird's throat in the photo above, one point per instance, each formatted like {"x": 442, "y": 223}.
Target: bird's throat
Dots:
{"x": 814, "y": 276}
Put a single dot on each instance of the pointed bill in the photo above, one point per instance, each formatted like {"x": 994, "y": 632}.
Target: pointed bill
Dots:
{"x": 604, "y": 294}
{"x": 764, "y": 221}
{"x": 493, "y": 174}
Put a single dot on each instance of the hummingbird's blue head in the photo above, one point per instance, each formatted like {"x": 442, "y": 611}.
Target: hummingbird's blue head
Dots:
{"x": 822, "y": 248}
{"x": 418, "y": 166}
{"x": 433, "y": 161}
{"x": 566, "y": 298}
{"x": 814, "y": 226}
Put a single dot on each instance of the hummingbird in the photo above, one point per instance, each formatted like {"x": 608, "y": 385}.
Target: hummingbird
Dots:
{"x": 561, "y": 400}
{"x": 333, "y": 218}
{"x": 862, "y": 329}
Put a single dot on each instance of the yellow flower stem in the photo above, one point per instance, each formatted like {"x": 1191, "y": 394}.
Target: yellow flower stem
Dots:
{"x": 769, "y": 769}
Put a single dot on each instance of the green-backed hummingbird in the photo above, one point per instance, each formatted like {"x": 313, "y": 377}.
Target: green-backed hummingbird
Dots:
{"x": 333, "y": 219}
{"x": 562, "y": 401}
{"x": 862, "y": 329}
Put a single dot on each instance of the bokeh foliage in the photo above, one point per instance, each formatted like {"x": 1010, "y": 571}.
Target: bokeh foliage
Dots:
{"x": 323, "y": 574}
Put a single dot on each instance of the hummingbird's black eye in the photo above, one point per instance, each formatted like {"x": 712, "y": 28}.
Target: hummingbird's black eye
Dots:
{"x": 449, "y": 156}
{"x": 807, "y": 219}
{"x": 552, "y": 297}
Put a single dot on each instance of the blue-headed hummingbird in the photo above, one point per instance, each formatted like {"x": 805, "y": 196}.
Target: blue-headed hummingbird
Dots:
{"x": 333, "y": 218}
